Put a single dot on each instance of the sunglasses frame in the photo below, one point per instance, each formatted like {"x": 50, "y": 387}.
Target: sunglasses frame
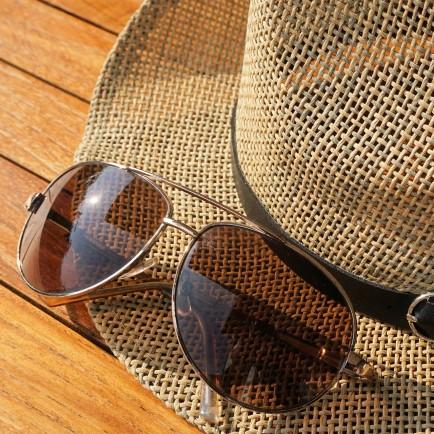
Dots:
{"x": 190, "y": 360}
{"x": 96, "y": 292}
{"x": 68, "y": 296}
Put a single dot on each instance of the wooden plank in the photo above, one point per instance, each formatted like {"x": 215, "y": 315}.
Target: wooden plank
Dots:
{"x": 40, "y": 126}
{"x": 53, "y": 380}
{"x": 109, "y": 14}
{"x": 51, "y": 44}
{"x": 16, "y": 185}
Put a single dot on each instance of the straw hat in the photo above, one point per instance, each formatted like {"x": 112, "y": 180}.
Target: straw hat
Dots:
{"x": 330, "y": 144}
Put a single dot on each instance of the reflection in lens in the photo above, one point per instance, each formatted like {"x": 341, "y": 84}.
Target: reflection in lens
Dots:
{"x": 262, "y": 324}
{"x": 93, "y": 221}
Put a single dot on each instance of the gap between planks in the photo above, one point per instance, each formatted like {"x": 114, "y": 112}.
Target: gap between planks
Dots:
{"x": 53, "y": 380}
{"x": 15, "y": 186}
{"x": 110, "y": 15}
{"x": 35, "y": 138}
{"x": 52, "y": 45}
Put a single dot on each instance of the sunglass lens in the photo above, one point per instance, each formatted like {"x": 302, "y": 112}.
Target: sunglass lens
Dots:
{"x": 93, "y": 221}
{"x": 261, "y": 323}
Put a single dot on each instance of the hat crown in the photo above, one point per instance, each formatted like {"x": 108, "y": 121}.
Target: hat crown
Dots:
{"x": 334, "y": 131}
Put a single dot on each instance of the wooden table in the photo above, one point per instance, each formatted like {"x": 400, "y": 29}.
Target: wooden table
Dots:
{"x": 56, "y": 373}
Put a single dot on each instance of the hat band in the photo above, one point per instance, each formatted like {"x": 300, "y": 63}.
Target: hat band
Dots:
{"x": 384, "y": 304}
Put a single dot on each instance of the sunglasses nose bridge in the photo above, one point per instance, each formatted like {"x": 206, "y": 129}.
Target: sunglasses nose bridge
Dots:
{"x": 181, "y": 226}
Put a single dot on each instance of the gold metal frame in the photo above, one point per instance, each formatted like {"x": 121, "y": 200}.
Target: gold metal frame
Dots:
{"x": 353, "y": 364}
{"x": 351, "y": 370}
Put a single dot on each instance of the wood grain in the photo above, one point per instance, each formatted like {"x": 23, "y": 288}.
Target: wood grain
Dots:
{"x": 40, "y": 126}
{"x": 53, "y": 380}
{"x": 110, "y": 14}
{"x": 16, "y": 184}
{"x": 53, "y": 45}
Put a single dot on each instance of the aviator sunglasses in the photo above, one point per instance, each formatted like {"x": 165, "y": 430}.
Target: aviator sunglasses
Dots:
{"x": 263, "y": 324}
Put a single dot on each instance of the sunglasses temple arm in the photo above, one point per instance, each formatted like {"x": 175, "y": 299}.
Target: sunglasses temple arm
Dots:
{"x": 355, "y": 366}
{"x": 164, "y": 287}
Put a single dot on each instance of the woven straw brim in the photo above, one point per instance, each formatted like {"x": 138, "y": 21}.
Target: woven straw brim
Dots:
{"x": 163, "y": 103}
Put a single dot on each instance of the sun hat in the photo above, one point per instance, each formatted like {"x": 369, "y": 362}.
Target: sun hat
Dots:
{"x": 314, "y": 118}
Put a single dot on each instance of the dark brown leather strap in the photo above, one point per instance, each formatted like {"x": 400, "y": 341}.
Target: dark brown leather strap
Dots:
{"x": 384, "y": 304}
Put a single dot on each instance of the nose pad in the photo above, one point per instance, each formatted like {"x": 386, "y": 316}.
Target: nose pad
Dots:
{"x": 183, "y": 306}
{"x": 209, "y": 404}
{"x": 139, "y": 269}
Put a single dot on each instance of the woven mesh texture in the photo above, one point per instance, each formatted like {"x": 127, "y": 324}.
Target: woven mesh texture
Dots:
{"x": 336, "y": 101}
{"x": 163, "y": 103}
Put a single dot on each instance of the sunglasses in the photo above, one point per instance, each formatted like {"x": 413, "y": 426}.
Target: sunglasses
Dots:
{"x": 263, "y": 324}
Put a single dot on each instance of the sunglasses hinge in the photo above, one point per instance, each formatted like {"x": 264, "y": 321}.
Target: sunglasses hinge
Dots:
{"x": 34, "y": 202}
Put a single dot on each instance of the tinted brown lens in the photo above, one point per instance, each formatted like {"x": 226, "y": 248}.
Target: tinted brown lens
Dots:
{"x": 262, "y": 324}
{"x": 92, "y": 222}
